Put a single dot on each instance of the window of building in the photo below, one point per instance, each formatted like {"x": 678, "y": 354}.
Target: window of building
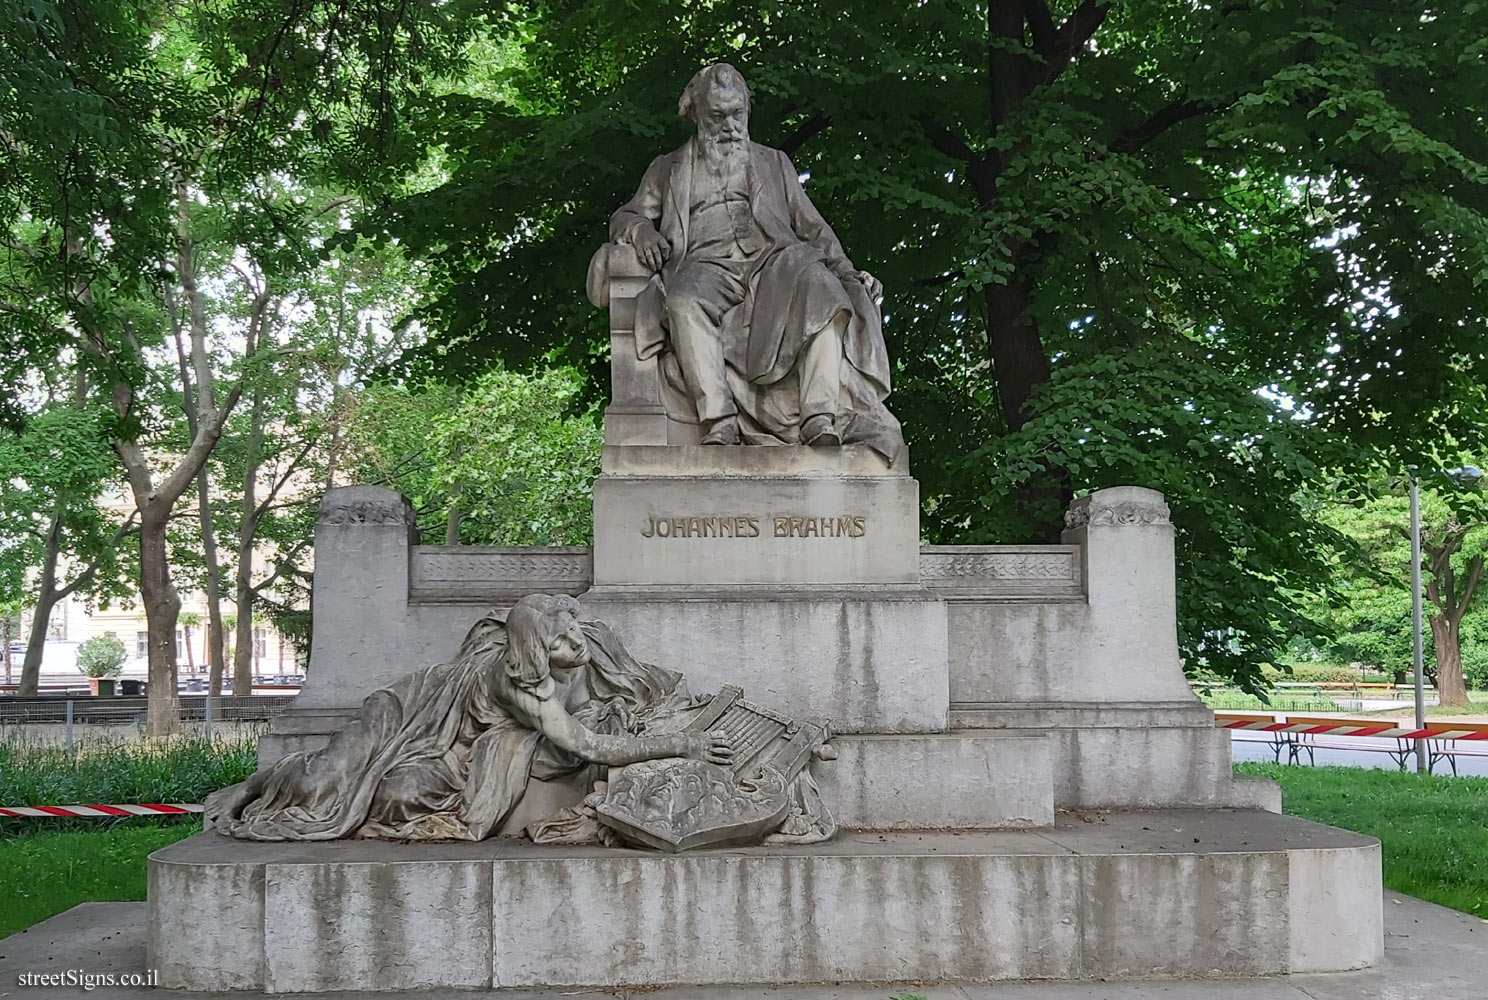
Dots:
{"x": 142, "y": 644}
{"x": 180, "y": 645}
{"x": 260, "y": 643}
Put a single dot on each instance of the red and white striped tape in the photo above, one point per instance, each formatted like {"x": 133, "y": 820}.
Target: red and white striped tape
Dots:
{"x": 173, "y": 809}
{"x": 1346, "y": 728}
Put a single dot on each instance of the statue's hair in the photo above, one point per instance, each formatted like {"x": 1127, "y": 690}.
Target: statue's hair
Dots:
{"x": 719, "y": 76}
{"x": 531, "y": 625}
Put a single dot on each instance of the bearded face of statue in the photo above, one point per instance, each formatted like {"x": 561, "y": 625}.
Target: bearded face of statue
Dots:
{"x": 723, "y": 123}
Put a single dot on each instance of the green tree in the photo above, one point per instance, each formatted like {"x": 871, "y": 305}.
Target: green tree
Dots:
{"x": 146, "y": 145}
{"x": 1371, "y": 604}
{"x": 510, "y": 460}
{"x": 56, "y": 537}
{"x": 1274, "y": 211}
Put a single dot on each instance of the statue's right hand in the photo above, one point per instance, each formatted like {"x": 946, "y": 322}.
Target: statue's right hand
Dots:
{"x": 716, "y": 747}
{"x": 650, "y": 248}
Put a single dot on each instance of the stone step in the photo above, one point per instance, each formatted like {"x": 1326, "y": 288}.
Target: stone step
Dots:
{"x": 941, "y": 781}
{"x": 1109, "y": 896}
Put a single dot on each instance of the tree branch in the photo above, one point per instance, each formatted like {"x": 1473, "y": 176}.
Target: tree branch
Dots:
{"x": 1040, "y": 23}
{"x": 1179, "y": 111}
{"x": 86, "y": 576}
{"x": 946, "y": 141}
{"x": 1072, "y": 36}
{"x": 1469, "y": 589}
{"x": 808, "y": 130}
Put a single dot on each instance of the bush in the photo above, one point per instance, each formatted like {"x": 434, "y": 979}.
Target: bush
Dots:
{"x": 1314, "y": 673}
{"x": 181, "y": 769}
{"x": 101, "y": 656}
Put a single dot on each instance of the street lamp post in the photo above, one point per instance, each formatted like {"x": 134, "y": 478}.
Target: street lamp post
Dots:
{"x": 1417, "y": 653}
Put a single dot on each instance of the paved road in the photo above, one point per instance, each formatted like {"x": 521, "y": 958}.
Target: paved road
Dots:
{"x": 1252, "y": 749}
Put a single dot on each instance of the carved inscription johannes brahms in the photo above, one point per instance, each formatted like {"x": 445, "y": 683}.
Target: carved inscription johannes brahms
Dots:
{"x": 777, "y": 526}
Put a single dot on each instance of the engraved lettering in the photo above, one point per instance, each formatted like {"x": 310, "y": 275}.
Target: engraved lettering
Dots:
{"x": 742, "y": 526}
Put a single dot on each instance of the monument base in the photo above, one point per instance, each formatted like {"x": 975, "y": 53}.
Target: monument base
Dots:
{"x": 1114, "y": 896}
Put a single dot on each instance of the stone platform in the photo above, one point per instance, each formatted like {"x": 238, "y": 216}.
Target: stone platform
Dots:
{"x": 1100, "y": 895}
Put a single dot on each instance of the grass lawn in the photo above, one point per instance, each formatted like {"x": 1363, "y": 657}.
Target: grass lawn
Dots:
{"x": 46, "y": 873}
{"x": 1434, "y": 829}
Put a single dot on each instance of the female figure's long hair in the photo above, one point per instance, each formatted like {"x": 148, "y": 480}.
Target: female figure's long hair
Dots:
{"x": 531, "y": 626}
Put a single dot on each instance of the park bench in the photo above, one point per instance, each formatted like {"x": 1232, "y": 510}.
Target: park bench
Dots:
{"x": 1458, "y": 739}
{"x": 1309, "y": 733}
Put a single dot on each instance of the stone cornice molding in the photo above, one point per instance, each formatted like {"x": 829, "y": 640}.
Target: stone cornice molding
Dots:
{"x": 1084, "y": 512}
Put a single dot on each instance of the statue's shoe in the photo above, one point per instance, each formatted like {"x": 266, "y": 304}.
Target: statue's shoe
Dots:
{"x": 820, "y": 431}
{"x": 725, "y": 431}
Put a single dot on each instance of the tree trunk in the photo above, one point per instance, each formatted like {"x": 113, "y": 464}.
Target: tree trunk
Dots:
{"x": 190, "y": 653}
{"x": 1451, "y": 686}
{"x": 1015, "y": 348}
{"x": 215, "y": 658}
{"x": 5, "y": 635}
{"x": 1020, "y": 366}
{"x": 162, "y": 607}
{"x": 46, "y": 599}
{"x": 247, "y": 532}
{"x": 243, "y": 652}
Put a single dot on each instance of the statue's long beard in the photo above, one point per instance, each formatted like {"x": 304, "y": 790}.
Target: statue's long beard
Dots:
{"x": 718, "y": 154}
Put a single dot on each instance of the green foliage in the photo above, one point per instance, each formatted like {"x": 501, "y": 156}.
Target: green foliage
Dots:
{"x": 1232, "y": 700}
{"x": 1433, "y": 830}
{"x": 57, "y": 464}
{"x": 1313, "y": 673}
{"x": 180, "y": 769}
{"x": 1241, "y": 263}
{"x": 1368, "y": 604}
{"x": 101, "y": 656}
{"x": 1233, "y": 465}
{"x": 514, "y": 452}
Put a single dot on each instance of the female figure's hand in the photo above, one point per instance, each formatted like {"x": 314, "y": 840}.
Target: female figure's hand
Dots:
{"x": 716, "y": 747}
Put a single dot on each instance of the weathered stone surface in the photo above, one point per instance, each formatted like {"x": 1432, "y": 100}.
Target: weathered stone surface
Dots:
{"x": 1120, "y": 894}
{"x": 182, "y": 893}
{"x": 1126, "y": 755}
{"x": 780, "y": 530}
{"x": 876, "y": 657}
{"x": 411, "y": 925}
{"x": 959, "y": 781}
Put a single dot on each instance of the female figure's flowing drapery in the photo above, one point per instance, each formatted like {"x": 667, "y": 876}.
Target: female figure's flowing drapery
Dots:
{"x": 443, "y": 753}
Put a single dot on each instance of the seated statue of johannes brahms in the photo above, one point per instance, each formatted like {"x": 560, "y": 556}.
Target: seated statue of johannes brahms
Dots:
{"x": 761, "y": 322}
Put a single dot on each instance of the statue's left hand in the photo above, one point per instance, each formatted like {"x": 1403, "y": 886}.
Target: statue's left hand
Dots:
{"x": 872, "y": 284}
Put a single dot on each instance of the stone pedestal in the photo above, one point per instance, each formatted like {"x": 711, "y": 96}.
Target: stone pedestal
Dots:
{"x": 1001, "y": 711}
{"x": 1129, "y": 894}
{"x": 703, "y": 517}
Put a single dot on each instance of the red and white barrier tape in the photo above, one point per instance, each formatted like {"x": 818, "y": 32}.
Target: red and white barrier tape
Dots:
{"x": 1344, "y": 728}
{"x": 174, "y": 809}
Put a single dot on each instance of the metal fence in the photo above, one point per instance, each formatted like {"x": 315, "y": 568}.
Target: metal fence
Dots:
{"x": 68, "y": 720}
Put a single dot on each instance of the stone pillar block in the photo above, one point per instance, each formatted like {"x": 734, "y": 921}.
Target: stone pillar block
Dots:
{"x": 362, "y": 542}
{"x": 1126, "y": 536}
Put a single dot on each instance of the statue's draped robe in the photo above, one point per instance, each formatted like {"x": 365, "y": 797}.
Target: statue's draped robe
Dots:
{"x": 797, "y": 284}
{"x": 438, "y": 755}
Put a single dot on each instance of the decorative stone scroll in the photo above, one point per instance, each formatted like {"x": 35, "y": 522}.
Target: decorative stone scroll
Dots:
{"x": 1003, "y": 572}
{"x": 1083, "y": 512}
{"x": 368, "y": 512}
{"x": 480, "y": 574}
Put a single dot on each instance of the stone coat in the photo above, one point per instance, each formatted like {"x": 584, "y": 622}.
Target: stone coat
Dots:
{"x": 798, "y": 237}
